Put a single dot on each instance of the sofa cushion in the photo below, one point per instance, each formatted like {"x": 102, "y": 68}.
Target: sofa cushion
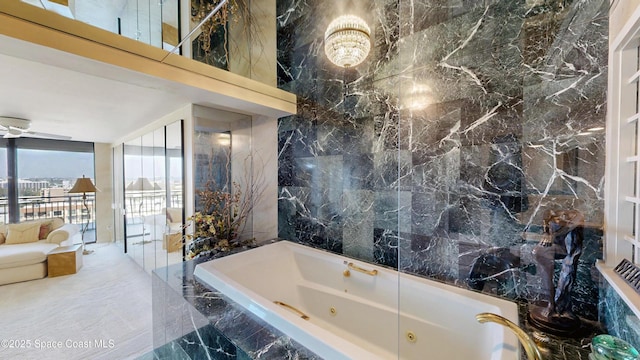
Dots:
{"x": 2, "y": 238}
{"x": 45, "y": 229}
{"x": 56, "y": 223}
{"x": 24, "y": 254}
{"x": 4, "y": 228}
{"x": 21, "y": 233}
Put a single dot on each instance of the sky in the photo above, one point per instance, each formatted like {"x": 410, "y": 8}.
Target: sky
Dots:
{"x": 150, "y": 167}
{"x": 72, "y": 165}
{"x": 49, "y": 164}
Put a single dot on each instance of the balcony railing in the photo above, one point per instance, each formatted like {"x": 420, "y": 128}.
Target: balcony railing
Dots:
{"x": 140, "y": 204}
{"x": 69, "y": 207}
{"x": 72, "y": 210}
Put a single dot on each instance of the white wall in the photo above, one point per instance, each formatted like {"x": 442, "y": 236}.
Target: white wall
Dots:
{"x": 619, "y": 14}
{"x": 265, "y": 214}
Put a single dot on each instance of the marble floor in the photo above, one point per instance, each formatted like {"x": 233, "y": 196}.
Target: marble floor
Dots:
{"x": 102, "y": 312}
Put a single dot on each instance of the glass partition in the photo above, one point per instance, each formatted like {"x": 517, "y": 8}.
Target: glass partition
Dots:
{"x": 153, "y": 22}
{"x": 4, "y": 186}
{"x": 148, "y": 196}
{"x": 141, "y": 20}
{"x": 174, "y": 185}
{"x": 212, "y": 165}
{"x": 222, "y": 180}
{"x": 159, "y": 213}
{"x": 230, "y": 39}
{"x": 153, "y": 197}
{"x": 133, "y": 201}
{"x": 119, "y": 210}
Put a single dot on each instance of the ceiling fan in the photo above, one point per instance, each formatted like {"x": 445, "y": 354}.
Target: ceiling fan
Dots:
{"x": 17, "y": 127}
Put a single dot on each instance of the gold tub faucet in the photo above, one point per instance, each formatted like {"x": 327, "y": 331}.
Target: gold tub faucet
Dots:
{"x": 530, "y": 347}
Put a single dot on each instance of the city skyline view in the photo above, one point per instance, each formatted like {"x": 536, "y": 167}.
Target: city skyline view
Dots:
{"x": 47, "y": 164}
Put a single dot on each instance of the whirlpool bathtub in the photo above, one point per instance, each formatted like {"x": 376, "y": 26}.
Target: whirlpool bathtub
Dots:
{"x": 340, "y": 308}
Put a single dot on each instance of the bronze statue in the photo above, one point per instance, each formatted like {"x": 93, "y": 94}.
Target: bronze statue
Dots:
{"x": 562, "y": 239}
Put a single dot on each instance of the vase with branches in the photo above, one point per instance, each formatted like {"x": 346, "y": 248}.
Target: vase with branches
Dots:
{"x": 220, "y": 224}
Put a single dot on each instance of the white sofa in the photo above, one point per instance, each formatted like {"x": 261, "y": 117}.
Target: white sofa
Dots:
{"x": 24, "y": 247}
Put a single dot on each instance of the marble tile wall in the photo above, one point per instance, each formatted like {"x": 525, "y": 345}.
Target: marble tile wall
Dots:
{"x": 618, "y": 318}
{"x": 440, "y": 153}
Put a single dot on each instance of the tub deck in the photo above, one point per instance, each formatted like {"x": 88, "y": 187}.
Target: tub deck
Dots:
{"x": 343, "y": 321}
{"x": 194, "y": 321}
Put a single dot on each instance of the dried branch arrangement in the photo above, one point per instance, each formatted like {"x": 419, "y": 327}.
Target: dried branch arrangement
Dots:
{"x": 221, "y": 223}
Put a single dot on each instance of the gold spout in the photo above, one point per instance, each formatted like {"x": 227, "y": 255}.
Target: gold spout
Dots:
{"x": 300, "y": 313}
{"x": 533, "y": 353}
{"x": 352, "y": 266}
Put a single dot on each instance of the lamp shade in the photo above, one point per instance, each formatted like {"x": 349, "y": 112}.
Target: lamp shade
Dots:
{"x": 141, "y": 184}
{"x": 83, "y": 185}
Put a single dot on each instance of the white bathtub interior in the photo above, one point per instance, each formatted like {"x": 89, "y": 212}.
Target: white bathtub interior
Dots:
{"x": 357, "y": 316}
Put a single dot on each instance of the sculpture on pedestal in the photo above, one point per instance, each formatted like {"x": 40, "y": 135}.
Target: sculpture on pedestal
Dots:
{"x": 562, "y": 239}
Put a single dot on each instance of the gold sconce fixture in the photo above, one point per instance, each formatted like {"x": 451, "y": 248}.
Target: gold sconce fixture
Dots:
{"x": 347, "y": 41}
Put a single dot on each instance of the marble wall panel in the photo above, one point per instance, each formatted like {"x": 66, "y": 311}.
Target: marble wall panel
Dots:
{"x": 618, "y": 317}
{"x": 442, "y": 151}
{"x": 358, "y": 230}
{"x": 433, "y": 256}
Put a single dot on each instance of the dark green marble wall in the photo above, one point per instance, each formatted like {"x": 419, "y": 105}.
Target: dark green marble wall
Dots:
{"x": 440, "y": 153}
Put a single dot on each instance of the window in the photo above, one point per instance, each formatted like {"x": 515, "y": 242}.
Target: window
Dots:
{"x": 622, "y": 198}
{"x": 35, "y": 175}
{"x": 623, "y": 239}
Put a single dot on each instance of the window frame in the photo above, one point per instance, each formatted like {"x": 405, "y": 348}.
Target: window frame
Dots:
{"x": 622, "y": 169}
{"x": 14, "y": 145}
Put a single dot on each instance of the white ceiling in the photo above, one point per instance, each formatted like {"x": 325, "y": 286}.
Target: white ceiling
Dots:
{"x": 66, "y": 98}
